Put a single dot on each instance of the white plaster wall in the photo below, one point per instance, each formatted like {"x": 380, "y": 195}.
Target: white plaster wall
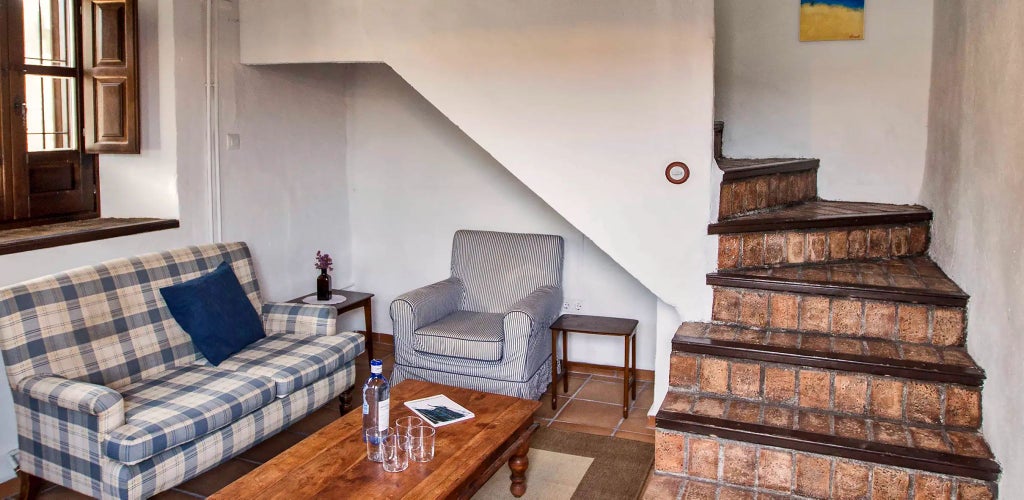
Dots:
{"x": 284, "y": 191}
{"x": 415, "y": 178}
{"x": 584, "y": 101}
{"x": 973, "y": 183}
{"x": 859, "y": 106}
{"x": 172, "y": 150}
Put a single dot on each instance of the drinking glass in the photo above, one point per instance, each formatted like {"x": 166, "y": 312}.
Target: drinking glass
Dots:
{"x": 374, "y": 439}
{"x": 405, "y": 424}
{"x": 395, "y": 452}
{"x": 421, "y": 443}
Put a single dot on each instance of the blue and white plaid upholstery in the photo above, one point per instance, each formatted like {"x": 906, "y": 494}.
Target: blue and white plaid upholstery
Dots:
{"x": 299, "y": 319}
{"x": 294, "y": 361}
{"x": 447, "y": 332}
{"x": 180, "y": 405}
{"x": 73, "y": 342}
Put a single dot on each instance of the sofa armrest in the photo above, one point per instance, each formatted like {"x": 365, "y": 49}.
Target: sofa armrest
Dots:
{"x": 299, "y": 319}
{"x": 425, "y": 305}
{"x": 84, "y": 397}
{"x": 535, "y": 311}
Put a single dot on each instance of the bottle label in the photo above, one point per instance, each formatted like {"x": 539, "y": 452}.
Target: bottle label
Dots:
{"x": 384, "y": 414}
{"x": 366, "y": 408}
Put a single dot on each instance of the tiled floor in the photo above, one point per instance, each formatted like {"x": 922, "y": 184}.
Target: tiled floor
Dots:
{"x": 592, "y": 405}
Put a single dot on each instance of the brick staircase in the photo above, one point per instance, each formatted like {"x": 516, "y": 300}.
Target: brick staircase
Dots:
{"x": 834, "y": 365}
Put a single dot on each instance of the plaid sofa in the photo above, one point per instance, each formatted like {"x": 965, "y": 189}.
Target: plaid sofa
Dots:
{"x": 113, "y": 401}
{"x": 485, "y": 327}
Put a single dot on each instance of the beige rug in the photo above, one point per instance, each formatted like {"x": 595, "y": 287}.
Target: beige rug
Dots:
{"x": 570, "y": 465}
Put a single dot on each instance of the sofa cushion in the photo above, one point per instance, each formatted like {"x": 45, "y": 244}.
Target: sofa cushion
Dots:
{"x": 294, "y": 361}
{"x": 215, "y": 312}
{"x": 181, "y": 405}
{"x": 463, "y": 334}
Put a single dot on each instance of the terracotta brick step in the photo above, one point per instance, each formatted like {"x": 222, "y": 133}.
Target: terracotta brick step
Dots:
{"x": 951, "y": 364}
{"x": 927, "y": 448}
{"x": 848, "y": 317}
{"x": 750, "y": 186}
{"x": 744, "y": 168}
{"x": 820, "y": 214}
{"x": 765, "y": 193}
{"x": 736, "y": 459}
{"x": 907, "y": 279}
{"x": 815, "y": 246}
{"x": 852, "y": 394}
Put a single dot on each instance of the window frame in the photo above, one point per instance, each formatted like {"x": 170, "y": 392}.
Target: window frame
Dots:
{"x": 20, "y": 206}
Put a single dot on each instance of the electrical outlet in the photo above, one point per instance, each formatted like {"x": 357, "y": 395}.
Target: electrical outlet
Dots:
{"x": 577, "y": 306}
{"x": 566, "y": 306}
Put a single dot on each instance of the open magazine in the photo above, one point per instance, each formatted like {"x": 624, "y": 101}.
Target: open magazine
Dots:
{"x": 439, "y": 410}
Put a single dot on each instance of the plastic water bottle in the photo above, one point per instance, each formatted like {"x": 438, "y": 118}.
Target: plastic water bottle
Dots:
{"x": 376, "y": 409}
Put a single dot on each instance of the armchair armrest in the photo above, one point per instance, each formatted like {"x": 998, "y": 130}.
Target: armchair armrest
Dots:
{"x": 83, "y": 397}
{"x": 536, "y": 310}
{"x": 425, "y": 305}
{"x": 300, "y": 319}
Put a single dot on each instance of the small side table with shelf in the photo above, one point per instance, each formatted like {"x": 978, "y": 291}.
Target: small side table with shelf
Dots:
{"x": 595, "y": 325}
{"x": 353, "y": 300}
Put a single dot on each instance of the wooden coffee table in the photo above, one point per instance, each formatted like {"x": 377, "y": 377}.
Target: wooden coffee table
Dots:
{"x": 332, "y": 462}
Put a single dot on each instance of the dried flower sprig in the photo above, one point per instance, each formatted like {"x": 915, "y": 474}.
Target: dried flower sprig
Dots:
{"x": 323, "y": 261}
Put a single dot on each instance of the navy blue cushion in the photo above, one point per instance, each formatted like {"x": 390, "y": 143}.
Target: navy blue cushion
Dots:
{"x": 214, "y": 310}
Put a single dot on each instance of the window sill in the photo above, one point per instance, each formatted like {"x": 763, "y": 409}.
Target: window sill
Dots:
{"x": 68, "y": 233}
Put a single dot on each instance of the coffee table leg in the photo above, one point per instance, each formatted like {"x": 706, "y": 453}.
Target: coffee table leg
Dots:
{"x": 519, "y": 463}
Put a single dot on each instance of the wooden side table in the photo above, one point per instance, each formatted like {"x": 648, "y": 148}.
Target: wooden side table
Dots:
{"x": 596, "y": 325}
{"x": 353, "y": 300}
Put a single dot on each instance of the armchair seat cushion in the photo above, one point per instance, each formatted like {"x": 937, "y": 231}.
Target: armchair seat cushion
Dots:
{"x": 463, "y": 334}
{"x": 295, "y": 361}
{"x": 181, "y": 405}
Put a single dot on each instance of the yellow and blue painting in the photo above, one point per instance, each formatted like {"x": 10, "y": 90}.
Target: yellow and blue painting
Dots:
{"x": 822, "y": 20}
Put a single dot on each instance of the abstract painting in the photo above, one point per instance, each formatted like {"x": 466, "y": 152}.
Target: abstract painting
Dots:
{"x": 822, "y": 20}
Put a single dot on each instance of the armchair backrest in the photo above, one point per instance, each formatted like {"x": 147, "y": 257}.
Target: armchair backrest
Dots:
{"x": 499, "y": 269}
{"x": 107, "y": 324}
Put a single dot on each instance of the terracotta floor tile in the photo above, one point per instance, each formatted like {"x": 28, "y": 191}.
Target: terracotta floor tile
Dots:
{"x": 588, "y": 429}
{"x": 545, "y": 410}
{"x": 272, "y": 446}
{"x": 637, "y": 422}
{"x": 601, "y": 390}
{"x": 224, "y": 474}
{"x": 591, "y": 413}
{"x": 575, "y": 382}
{"x": 60, "y": 493}
{"x": 644, "y": 397}
{"x": 175, "y": 495}
{"x": 635, "y": 436}
{"x": 317, "y": 420}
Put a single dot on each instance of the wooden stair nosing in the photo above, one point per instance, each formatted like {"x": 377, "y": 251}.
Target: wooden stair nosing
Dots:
{"x": 899, "y": 456}
{"x": 778, "y": 167}
{"x": 747, "y": 224}
{"x": 871, "y": 292}
{"x": 916, "y": 370}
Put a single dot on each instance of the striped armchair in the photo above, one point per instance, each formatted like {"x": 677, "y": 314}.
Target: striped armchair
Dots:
{"x": 113, "y": 401}
{"x": 485, "y": 327}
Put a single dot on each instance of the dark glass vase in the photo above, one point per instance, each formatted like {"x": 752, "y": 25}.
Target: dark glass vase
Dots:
{"x": 323, "y": 286}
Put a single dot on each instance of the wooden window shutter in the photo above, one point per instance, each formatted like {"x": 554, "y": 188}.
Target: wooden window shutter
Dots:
{"x": 110, "y": 63}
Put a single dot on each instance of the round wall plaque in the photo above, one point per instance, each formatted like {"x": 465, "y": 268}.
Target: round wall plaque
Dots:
{"x": 677, "y": 172}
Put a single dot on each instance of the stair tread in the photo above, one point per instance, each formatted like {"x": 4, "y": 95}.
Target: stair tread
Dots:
{"x": 822, "y": 214}
{"x": 916, "y": 279}
{"x": 739, "y": 168}
{"x": 857, "y": 354}
{"x": 934, "y": 448}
